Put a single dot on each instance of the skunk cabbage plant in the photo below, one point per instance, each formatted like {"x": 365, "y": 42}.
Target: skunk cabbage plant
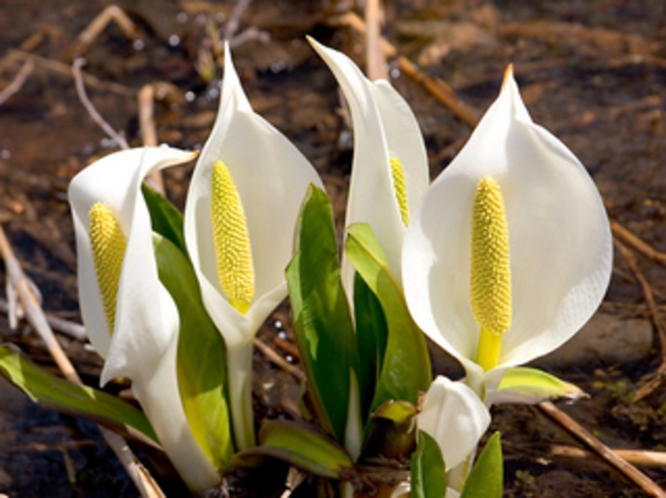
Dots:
{"x": 240, "y": 216}
{"x": 510, "y": 251}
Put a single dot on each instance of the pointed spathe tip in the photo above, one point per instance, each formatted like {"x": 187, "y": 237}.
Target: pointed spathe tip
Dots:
{"x": 508, "y": 75}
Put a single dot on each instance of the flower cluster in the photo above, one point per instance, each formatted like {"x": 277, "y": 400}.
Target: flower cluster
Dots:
{"x": 500, "y": 260}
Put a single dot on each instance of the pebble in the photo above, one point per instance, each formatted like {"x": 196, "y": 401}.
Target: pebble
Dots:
{"x": 605, "y": 340}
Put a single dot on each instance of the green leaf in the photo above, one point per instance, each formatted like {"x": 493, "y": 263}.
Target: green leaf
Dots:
{"x": 201, "y": 363}
{"x": 164, "y": 217}
{"x": 303, "y": 447}
{"x": 371, "y": 335}
{"x": 530, "y": 385}
{"x": 322, "y": 319}
{"x": 487, "y": 476}
{"x": 61, "y": 395}
{"x": 428, "y": 472}
{"x": 406, "y": 367}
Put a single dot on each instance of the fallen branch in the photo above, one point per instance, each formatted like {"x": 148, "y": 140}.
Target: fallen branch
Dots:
{"x": 278, "y": 360}
{"x": 375, "y": 58}
{"x": 636, "y": 243}
{"x": 99, "y": 23}
{"x": 635, "y": 457}
{"x": 92, "y": 112}
{"x": 631, "y": 472}
{"x": 65, "y": 69}
{"x": 148, "y": 132}
{"x": 439, "y": 89}
{"x": 652, "y": 380}
{"x": 17, "y": 82}
{"x": 70, "y": 329}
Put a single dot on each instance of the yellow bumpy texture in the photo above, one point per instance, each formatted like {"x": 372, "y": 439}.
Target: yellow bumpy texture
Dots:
{"x": 235, "y": 269}
{"x": 108, "y": 244}
{"x": 490, "y": 283}
{"x": 398, "y": 174}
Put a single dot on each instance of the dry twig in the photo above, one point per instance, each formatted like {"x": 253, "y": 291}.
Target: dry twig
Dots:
{"x": 70, "y": 329}
{"x": 137, "y": 472}
{"x": 278, "y": 360}
{"x": 97, "y": 25}
{"x": 635, "y": 457}
{"x": 641, "y": 246}
{"x": 147, "y": 124}
{"x": 17, "y": 82}
{"x": 653, "y": 379}
{"x": 439, "y": 89}
{"x": 640, "y": 479}
{"x": 65, "y": 69}
{"x": 375, "y": 58}
{"x": 92, "y": 112}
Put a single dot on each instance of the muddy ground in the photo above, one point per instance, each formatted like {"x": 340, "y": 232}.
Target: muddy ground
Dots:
{"x": 592, "y": 72}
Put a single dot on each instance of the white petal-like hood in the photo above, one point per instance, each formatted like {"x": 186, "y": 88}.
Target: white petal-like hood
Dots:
{"x": 454, "y": 416}
{"x": 559, "y": 239}
{"x": 384, "y": 127}
{"x": 271, "y": 176}
{"x": 145, "y": 336}
{"x": 116, "y": 181}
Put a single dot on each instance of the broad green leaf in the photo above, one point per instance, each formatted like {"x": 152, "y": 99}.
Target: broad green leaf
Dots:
{"x": 529, "y": 385}
{"x": 201, "y": 361}
{"x": 371, "y": 335}
{"x": 322, "y": 320}
{"x": 428, "y": 472}
{"x": 61, "y": 395}
{"x": 487, "y": 476}
{"x": 406, "y": 367}
{"x": 164, "y": 217}
{"x": 303, "y": 447}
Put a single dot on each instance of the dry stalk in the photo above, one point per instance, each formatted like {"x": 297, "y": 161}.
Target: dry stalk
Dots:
{"x": 278, "y": 360}
{"x": 631, "y": 472}
{"x": 636, "y": 243}
{"x": 148, "y": 132}
{"x": 653, "y": 379}
{"x": 635, "y": 457}
{"x": 92, "y": 112}
{"x": 97, "y": 25}
{"x": 139, "y": 475}
{"x": 70, "y": 329}
{"x": 65, "y": 69}
{"x": 439, "y": 89}
{"x": 17, "y": 82}
{"x": 375, "y": 59}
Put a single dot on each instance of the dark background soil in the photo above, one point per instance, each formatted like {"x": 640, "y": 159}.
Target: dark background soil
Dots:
{"x": 592, "y": 72}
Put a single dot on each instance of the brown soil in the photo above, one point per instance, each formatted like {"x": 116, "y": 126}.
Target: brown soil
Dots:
{"x": 591, "y": 72}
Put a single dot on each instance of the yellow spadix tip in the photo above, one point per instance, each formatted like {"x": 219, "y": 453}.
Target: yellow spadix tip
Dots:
{"x": 108, "y": 244}
{"x": 490, "y": 280}
{"x": 235, "y": 269}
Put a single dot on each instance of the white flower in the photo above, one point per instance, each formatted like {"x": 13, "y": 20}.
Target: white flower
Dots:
{"x": 241, "y": 212}
{"x": 512, "y": 238}
{"x": 130, "y": 317}
{"x": 454, "y": 416}
{"x": 390, "y": 167}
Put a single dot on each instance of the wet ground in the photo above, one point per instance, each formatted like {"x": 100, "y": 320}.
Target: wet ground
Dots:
{"x": 592, "y": 72}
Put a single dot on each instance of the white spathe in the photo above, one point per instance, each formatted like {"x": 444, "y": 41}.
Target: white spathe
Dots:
{"x": 271, "y": 177}
{"x": 454, "y": 416}
{"x": 560, "y": 243}
{"x": 384, "y": 127}
{"x": 142, "y": 347}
